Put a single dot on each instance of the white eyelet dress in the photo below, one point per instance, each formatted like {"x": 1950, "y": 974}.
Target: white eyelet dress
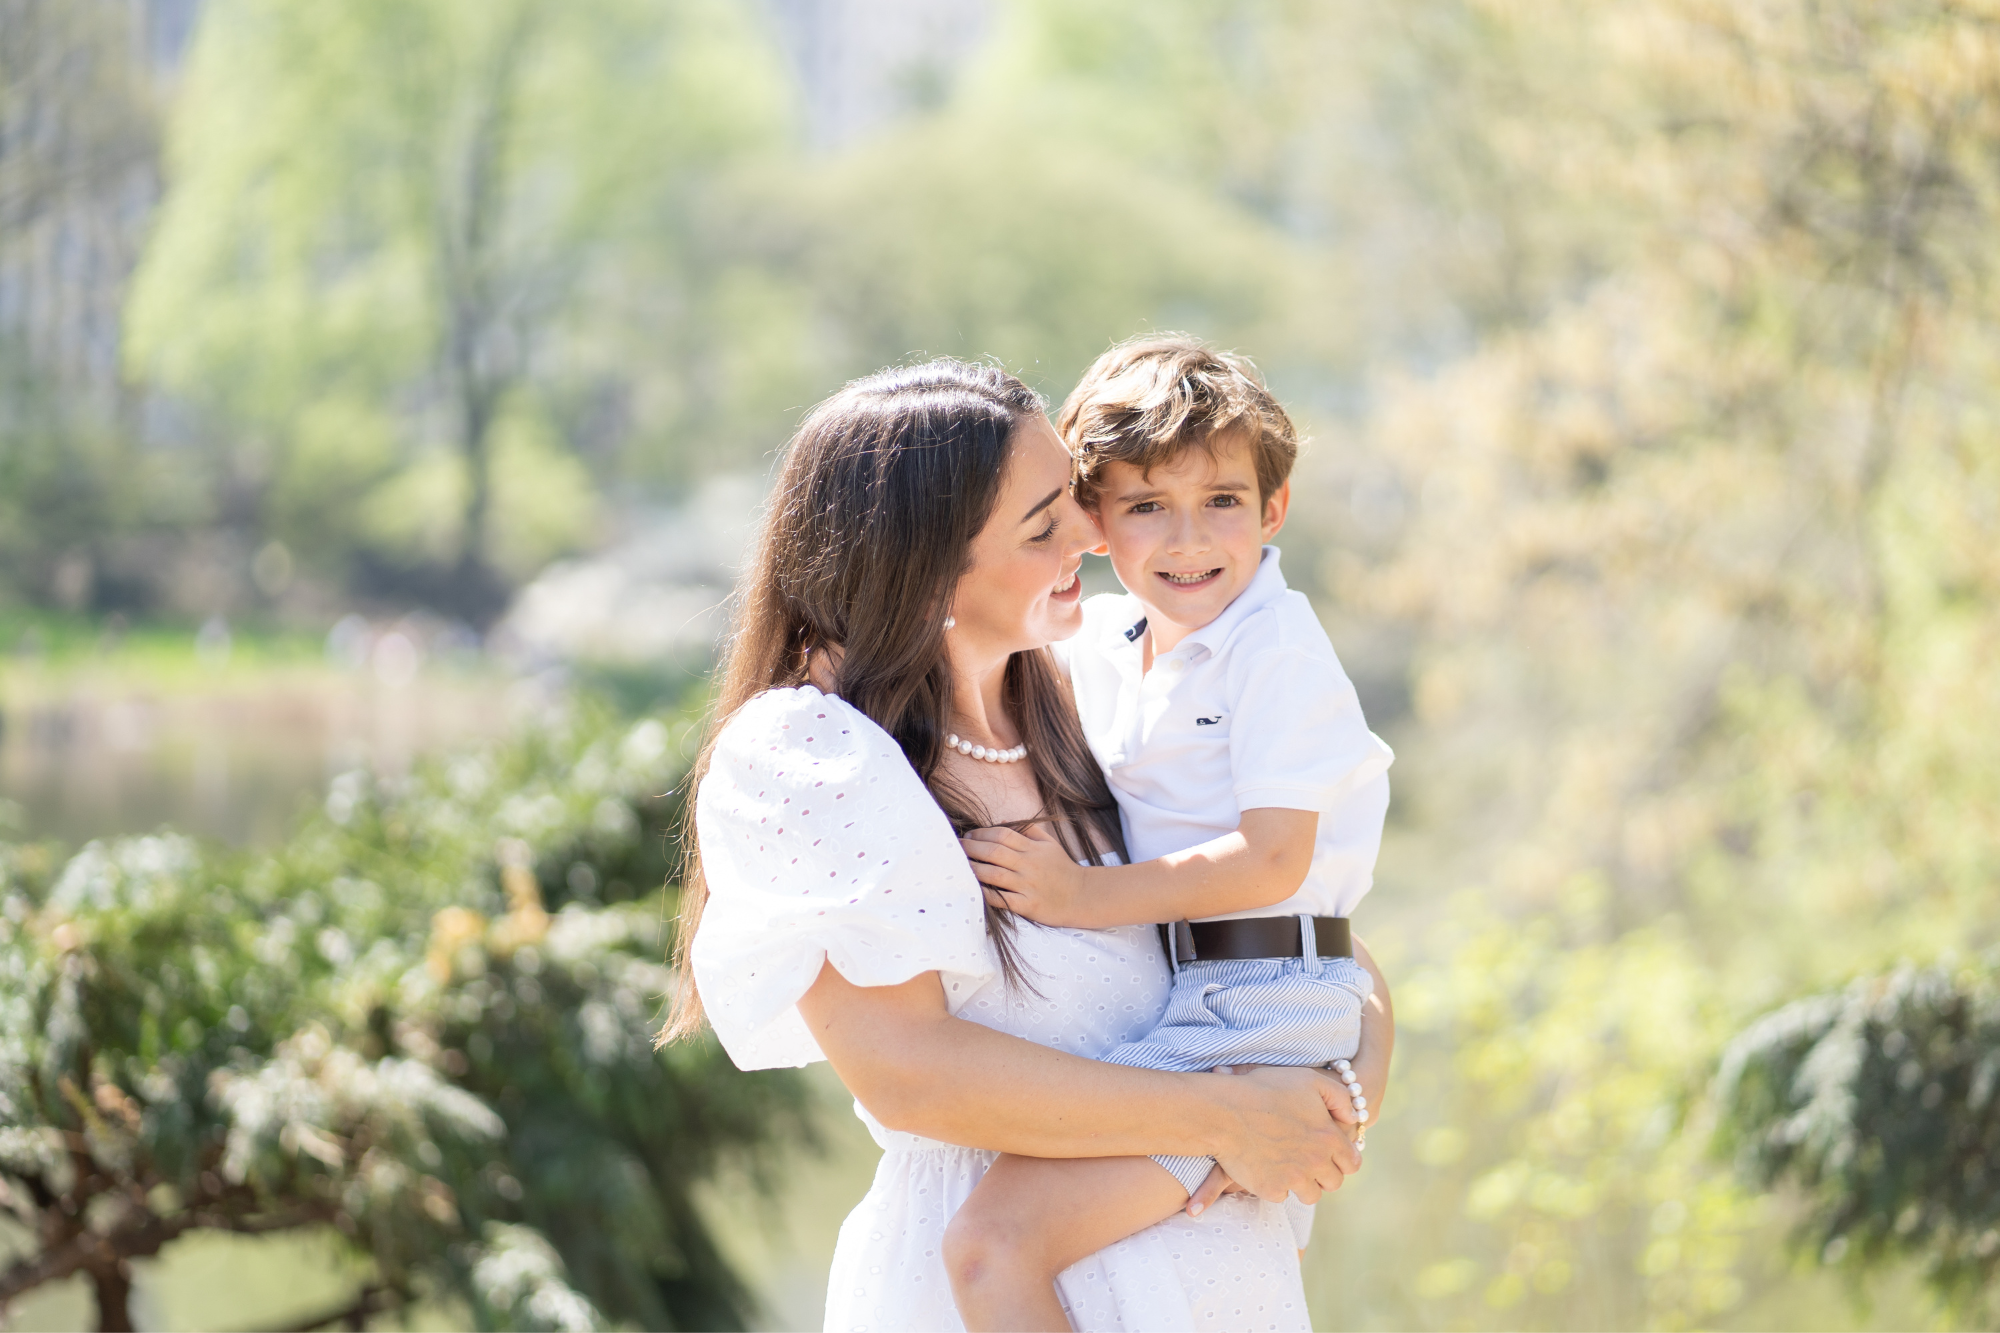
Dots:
{"x": 820, "y": 843}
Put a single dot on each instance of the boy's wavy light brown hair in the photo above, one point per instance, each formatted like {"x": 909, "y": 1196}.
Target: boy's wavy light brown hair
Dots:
{"x": 1149, "y": 400}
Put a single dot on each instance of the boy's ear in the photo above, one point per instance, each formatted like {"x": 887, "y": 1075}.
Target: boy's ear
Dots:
{"x": 1275, "y": 509}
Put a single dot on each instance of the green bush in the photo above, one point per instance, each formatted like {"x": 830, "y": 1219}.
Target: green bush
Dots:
{"x": 425, "y": 1021}
{"x": 1881, "y": 1105}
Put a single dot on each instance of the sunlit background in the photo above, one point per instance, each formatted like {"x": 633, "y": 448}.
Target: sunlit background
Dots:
{"x": 387, "y": 389}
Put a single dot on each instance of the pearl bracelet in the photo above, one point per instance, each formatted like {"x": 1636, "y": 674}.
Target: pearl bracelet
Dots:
{"x": 1345, "y": 1069}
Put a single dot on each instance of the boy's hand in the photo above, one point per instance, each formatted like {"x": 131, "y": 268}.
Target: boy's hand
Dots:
{"x": 1029, "y": 873}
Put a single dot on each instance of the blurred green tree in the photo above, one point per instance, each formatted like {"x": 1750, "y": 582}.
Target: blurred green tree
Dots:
{"x": 1082, "y": 181}
{"x": 394, "y": 258}
{"x": 79, "y": 140}
{"x": 425, "y": 1023}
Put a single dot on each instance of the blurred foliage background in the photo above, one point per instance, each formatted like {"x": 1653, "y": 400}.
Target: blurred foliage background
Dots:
{"x": 377, "y": 378}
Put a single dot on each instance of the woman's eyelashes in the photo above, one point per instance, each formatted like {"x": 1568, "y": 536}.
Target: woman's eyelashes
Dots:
{"x": 1042, "y": 537}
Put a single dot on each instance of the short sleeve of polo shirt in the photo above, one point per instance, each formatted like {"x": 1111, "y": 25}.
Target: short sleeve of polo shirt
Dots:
{"x": 1297, "y": 738}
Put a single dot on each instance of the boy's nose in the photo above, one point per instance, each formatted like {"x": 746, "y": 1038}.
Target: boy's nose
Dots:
{"x": 1188, "y": 536}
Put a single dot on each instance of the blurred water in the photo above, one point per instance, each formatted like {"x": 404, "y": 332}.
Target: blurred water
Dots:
{"x": 86, "y": 756}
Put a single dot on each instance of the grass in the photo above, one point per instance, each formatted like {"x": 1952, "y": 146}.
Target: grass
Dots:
{"x": 58, "y": 640}
{"x": 46, "y": 655}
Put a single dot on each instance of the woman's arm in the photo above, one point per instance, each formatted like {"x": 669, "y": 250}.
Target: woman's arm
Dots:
{"x": 1378, "y": 1036}
{"x": 916, "y": 1068}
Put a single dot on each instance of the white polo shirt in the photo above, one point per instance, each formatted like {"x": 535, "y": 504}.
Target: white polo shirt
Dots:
{"x": 1250, "y": 711}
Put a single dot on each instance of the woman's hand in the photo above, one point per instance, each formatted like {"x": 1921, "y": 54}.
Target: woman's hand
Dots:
{"x": 1220, "y": 1183}
{"x": 1284, "y": 1108}
{"x": 1030, "y": 874}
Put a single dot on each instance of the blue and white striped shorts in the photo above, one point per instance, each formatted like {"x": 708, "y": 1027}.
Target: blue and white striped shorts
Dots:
{"x": 1253, "y": 1011}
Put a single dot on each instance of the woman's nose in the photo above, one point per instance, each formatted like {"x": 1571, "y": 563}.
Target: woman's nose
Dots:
{"x": 1078, "y": 527}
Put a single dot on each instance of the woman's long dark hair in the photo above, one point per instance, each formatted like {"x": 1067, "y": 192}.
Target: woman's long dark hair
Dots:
{"x": 871, "y": 526}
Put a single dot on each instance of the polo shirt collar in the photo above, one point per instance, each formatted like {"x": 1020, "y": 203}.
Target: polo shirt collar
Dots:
{"x": 1266, "y": 586}
{"x": 1123, "y": 631}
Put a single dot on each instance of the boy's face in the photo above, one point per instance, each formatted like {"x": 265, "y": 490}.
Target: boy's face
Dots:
{"x": 1186, "y": 538}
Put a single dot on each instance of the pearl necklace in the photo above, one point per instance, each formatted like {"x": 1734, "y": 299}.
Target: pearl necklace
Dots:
{"x": 1014, "y": 755}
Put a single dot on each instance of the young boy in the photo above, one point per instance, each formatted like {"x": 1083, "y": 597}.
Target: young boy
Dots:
{"x": 1251, "y": 789}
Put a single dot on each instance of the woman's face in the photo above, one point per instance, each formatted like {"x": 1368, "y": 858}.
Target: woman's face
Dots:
{"x": 1022, "y": 591}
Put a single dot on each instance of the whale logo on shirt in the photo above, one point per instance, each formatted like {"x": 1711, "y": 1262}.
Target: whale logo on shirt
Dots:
{"x": 1208, "y": 721}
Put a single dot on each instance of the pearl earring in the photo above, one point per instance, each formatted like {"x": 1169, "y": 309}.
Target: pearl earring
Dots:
{"x": 949, "y": 621}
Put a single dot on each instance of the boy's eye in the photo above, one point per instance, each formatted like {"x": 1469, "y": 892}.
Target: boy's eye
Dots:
{"x": 1144, "y": 507}
{"x": 1226, "y": 501}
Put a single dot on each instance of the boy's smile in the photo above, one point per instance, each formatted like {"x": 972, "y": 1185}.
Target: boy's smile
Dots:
{"x": 1187, "y": 537}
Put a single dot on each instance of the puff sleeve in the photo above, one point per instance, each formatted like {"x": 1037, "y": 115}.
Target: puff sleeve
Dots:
{"x": 820, "y": 844}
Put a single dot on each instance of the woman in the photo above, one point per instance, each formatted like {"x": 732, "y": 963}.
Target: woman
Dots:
{"x": 918, "y": 557}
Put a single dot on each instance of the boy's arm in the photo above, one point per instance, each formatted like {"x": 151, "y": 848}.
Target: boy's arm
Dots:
{"x": 1262, "y": 862}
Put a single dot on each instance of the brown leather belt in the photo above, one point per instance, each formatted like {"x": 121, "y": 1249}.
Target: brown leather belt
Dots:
{"x": 1255, "y": 937}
